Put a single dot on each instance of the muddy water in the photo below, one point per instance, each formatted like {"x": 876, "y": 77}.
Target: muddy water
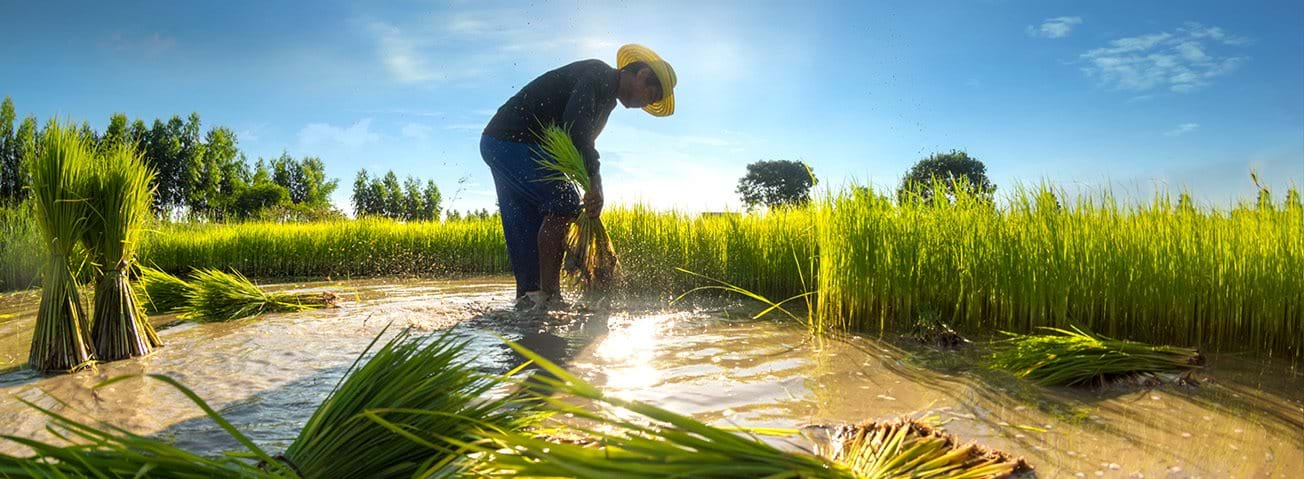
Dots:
{"x": 266, "y": 375}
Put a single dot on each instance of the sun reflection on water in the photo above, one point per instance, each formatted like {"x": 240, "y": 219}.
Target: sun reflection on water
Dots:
{"x": 630, "y": 352}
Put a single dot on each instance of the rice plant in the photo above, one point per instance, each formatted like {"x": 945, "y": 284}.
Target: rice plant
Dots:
{"x": 654, "y": 443}
{"x": 59, "y": 168}
{"x": 408, "y": 408}
{"x": 1076, "y": 358}
{"x": 119, "y": 197}
{"x": 160, "y": 292}
{"x": 216, "y": 295}
{"x": 590, "y": 256}
{"x": 908, "y": 448}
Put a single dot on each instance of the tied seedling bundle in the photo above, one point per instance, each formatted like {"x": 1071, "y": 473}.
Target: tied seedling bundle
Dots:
{"x": 216, "y": 295}
{"x": 119, "y": 199}
{"x": 61, "y": 162}
{"x": 590, "y": 256}
{"x": 1077, "y": 358}
{"x": 909, "y": 448}
{"x": 161, "y": 292}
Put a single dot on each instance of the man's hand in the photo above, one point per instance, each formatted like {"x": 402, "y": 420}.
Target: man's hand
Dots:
{"x": 593, "y": 199}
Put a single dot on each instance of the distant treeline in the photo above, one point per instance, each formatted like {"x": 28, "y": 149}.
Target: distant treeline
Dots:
{"x": 203, "y": 175}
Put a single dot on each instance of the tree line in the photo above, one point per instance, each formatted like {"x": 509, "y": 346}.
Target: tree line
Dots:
{"x": 203, "y": 175}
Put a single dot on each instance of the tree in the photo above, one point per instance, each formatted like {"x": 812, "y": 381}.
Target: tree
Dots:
{"x": 9, "y": 153}
{"x": 430, "y": 201}
{"x": 361, "y": 194}
{"x": 953, "y": 170}
{"x": 776, "y": 183}
{"x": 259, "y": 197}
{"x": 219, "y": 158}
{"x": 411, "y": 199}
{"x": 393, "y": 196}
{"x": 117, "y": 131}
{"x": 24, "y": 143}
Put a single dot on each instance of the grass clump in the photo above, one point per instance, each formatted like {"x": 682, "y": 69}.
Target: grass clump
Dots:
{"x": 60, "y": 162}
{"x": 120, "y": 196}
{"x": 908, "y": 448}
{"x": 1076, "y": 358}
{"x": 216, "y": 295}
{"x": 590, "y": 256}
{"x": 161, "y": 292}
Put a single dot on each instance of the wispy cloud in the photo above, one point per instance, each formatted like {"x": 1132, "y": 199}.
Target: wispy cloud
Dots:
{"x": 1182, "y": 129}
{"x": 325, "y": 134}
{"x": 150, "y": 44}
{"x": 1181, "y": 61}
{"x": 1058, "y": 27}
{"x": 416, "y": 131}
{"x": 470, "y": 44}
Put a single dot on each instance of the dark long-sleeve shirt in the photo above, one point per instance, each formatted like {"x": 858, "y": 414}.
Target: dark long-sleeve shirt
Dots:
{"x": 579, "y": 96}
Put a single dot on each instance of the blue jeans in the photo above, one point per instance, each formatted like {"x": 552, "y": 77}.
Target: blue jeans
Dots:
{"x": 524, "y": 199}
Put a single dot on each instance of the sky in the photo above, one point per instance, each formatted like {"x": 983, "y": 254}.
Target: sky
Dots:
{"x": 1126, "y": 95}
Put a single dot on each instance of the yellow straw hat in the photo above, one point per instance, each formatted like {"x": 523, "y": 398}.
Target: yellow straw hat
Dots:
{"x": 634, "y": 52}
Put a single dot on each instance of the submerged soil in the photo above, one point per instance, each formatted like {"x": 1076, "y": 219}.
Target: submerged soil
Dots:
{"x": 266, "y": 375}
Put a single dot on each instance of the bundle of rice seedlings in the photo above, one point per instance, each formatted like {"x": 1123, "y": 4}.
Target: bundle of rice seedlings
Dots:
{"x": 590, "y": 256}
{"x": 907, "y": 448}
{"x": 120, "y": 197}
{"x": 220, "y": 296}
{"x": 160, "y": 292}
{"x": 411, "y": 407}
{"x": 636, "y": 441}
{"x": 406, "y": 409}
{"x": 59, "y": 167}
{"x": 1077, "y": 358}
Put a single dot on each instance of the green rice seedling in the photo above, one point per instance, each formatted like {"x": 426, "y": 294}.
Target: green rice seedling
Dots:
{"x": 409, "y": 408}
{"x": 590, "y": 256}
{"x": 59, "y": 169}
{"x": 220, "y": 296}
{"x": 21, "y": 251}
{"x": 119, "y": 197}
{"x": 105, "y": 451}
{"x": 1077, "y": 358}
{"x": 160, "y": 292}
{"x": 908, "y": 448}
{"x": 672, "y": 446}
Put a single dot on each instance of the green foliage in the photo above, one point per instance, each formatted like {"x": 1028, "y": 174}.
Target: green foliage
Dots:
{"x": 955, "y": 171}
{"x": 59, "y": 170}
{"x": 161, "y": 292}
{"x": 1076, "y": 358}
{"x": 119, "y": 194}
{"x": 775, "y": 183}
{"x": 385, "y": 197}
{"x": 411, "y": 407}
{"x": 216, "y": 295}
{"x": 259, "y": 197}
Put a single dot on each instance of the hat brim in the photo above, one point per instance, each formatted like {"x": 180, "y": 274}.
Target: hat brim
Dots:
{"x": 632, "y": 53}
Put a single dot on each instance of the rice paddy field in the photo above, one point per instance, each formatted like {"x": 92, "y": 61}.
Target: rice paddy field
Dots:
{"x": 1221, "y": 289}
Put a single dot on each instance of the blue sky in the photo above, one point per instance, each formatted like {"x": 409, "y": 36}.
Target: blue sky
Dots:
{"x": 1084, "y": 94}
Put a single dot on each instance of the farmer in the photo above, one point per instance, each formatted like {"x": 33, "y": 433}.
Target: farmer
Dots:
{"x": 536, "y": 213}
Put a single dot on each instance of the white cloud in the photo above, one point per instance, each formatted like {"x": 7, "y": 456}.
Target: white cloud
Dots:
{"x": 1182, "y": 129}
{"x": 324, "y": 134}
{"x": 1058, "y": 27}
{"x": 416, "y": 131}
{"x": 1181, "y": 61}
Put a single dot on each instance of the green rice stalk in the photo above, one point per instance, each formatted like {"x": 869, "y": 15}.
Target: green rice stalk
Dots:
{"x": 105, "y": 451}
{"x": 1077, "y": 358}
{"x": 673, "y": 446}
{"x": 120, "y": 195}
{"x": 58, "y": 172}
{"x": 160, "y": 292}
{"x": 409, "y": 408}
{"x": 590, "y": 256}
{"x": 222, "y": 296}
{"x": 909, "y": 448}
